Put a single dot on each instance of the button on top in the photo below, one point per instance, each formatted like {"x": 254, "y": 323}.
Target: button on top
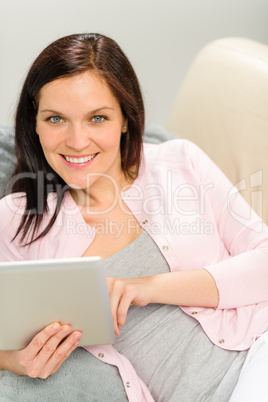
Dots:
{"x": 126, "y": 195}
{"x": 221, "y": 340}
{"x": 165, "y": 248}
{"x": 144, "y": 222}
{"x": 101, "y": 355}
{"x": 194, "y": 312}
{"x": 128, "y": 384}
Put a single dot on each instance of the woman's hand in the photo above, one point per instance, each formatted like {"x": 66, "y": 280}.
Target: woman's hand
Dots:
{"x": 125, "y": 292}
{"x": 44, "y": 354}
{"x": 183, "y": 288}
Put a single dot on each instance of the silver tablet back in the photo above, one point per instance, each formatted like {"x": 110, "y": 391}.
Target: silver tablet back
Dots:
{"x": 34, "y": 294}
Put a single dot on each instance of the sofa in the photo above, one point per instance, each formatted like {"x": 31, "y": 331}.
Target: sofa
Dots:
{"x": 222, "y": 106}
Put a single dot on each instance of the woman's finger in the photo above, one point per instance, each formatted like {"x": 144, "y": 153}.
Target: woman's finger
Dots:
{"x": 114, "y": 303}
{"x": 115, "y": 288}
{"x": 53, "y": 353}
{"x": 32, "y": 359}
{"x": 122, "y": 310}
{"x": 65, "y": 354}
{"x": 51, "y": 345}
{"x": 122, "y": 295}
{"x": 40, "y": 339}
{"x": 60, "y": 354}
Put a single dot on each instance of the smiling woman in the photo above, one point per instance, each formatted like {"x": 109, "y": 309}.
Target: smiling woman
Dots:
{"x": 76, "y": 141}
{"x": 179, "y": 265}
{"x": 52, "y": 105}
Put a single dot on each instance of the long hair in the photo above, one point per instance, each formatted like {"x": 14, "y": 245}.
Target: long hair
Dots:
{"x": 69, "y": 56}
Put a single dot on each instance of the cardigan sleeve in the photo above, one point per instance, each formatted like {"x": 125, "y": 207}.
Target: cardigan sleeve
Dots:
{"x": 12, "y": 208}
{"x": 241, "y": 279}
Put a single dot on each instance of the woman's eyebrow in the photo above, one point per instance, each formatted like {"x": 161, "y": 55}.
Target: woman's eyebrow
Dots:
{"x": 49, "y": 111}
{"x": 100, "y": 109}
{"x": 91, "y": 112}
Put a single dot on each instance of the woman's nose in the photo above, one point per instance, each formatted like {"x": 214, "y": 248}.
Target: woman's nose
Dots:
{"x": 78, "y": 137}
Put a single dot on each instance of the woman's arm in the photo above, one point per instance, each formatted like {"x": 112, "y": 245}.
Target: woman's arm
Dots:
{"x": 241, "y": 279}
{"x": 237, "y": 276}
{"x": 45, "y": 353}
{"x": 185, "y": 288}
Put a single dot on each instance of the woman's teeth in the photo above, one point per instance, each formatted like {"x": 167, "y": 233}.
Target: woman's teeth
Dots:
{"x": 80, "y": 160}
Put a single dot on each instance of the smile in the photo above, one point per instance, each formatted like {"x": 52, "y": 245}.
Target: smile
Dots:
{"x": 79, "y": 160}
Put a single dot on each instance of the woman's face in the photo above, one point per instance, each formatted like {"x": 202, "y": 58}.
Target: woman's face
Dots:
{"x": 79, "y": 122}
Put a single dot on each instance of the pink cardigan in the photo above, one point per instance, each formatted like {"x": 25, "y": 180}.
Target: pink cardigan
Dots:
{"x": 197, "y": 219}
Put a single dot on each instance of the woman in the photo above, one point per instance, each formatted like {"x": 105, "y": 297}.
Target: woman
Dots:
{"x": 163, "y": 217}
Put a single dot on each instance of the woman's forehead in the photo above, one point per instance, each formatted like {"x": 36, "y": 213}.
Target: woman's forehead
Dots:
{"x": 77, "y": 96}
{"x": 87, "y": 87}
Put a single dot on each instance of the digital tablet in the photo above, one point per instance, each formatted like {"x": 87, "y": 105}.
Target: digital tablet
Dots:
{"x": 34, "y": 294}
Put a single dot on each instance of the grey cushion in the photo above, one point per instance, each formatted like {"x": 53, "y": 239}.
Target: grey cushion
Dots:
{"x": 7, "y": 156}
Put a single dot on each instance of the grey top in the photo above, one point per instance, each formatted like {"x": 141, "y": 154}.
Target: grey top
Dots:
{"x": 168, "y": 348}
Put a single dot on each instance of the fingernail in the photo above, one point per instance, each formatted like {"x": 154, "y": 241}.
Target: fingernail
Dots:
{"x": 55, "y": 327}
{"x": 65, "y": 328}
{"x": 77, "y": 336}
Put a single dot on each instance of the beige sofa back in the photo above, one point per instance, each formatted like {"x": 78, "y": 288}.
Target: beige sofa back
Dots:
{"x": 222, "y": 106}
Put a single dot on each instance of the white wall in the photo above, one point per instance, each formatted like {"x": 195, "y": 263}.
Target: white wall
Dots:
{"x": 161, "y": 37}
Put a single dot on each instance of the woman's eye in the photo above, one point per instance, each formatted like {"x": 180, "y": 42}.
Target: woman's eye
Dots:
{"x": 55, "y": 119}
{"x": 98, "y": 119}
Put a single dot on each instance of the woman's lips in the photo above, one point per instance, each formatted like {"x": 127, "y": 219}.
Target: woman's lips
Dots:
{"x": 79, "y": 161}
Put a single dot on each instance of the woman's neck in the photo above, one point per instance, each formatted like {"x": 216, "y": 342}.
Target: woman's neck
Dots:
{"x": 103, "y": 193}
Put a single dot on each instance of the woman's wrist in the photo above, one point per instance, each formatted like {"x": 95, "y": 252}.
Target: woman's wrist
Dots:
{"x": 8, "y": 361}
{"x": 185, "y": 288}
{"x": 5, "y": 359}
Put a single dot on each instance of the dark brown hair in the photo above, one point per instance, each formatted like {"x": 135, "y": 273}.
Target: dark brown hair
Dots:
{"x": 68, "y": 56}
